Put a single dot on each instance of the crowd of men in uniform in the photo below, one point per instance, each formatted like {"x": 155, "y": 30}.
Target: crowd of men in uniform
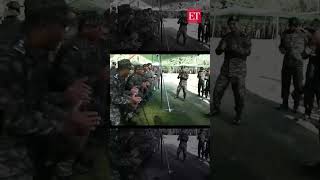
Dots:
{"x": 258, "y": 30}
{"x": 130, "y": 90}
{"x": 131, "y": 149}
{"x": 132, "y": 28}
{"x": 53, "y": 91}
{"x": 297, "y": 45}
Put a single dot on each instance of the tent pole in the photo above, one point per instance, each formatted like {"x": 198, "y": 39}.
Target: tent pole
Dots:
{"x": 161, "y": 80}
{"x": 161, "y": 22}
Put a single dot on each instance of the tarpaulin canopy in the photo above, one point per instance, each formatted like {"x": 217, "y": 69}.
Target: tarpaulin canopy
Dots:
{"x": 236, "y": 10}
{"x": 99, "y": 6}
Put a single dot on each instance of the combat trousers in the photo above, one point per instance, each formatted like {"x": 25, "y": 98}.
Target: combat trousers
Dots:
{"x": 238, "y": 88}
{"x": 184, "y": 89}
{"x": 295, "y": 74}
{"x": 311, "y": 88}
{"x": 183, "y": 32}
{"x": 200, "y": 33}
{"x": 182, "y": 148}
{"x": 201, "y": 149}
{"x": 200, "y": 87}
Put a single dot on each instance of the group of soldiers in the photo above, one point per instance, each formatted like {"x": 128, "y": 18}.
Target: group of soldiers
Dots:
{"x": 130, "y": 149}
{"x": 297, "y": 45}
{"x": 204, "y": 82}
{"x": 203, "y": 144}
{"x": 131, "y": 90}
{"x": 204, "y": 28}
{"x": 131, "y": 28}
{"x": 54, "y": 91}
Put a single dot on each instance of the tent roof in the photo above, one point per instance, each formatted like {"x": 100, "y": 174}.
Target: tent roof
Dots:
{"x": 237, "y": 10}
{"x": 84, "y": 5}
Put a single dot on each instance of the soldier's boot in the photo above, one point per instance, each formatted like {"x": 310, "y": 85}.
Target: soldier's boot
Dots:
{"x": 295, "y": 106}
{"x": 284, "y": 106}
{"x": 237, "y": 119}
{"x": 184, "y": 97}
{"x": 184, "y": 157}
{"x": 215, "y": 111}
{"x": 184, "y": 41}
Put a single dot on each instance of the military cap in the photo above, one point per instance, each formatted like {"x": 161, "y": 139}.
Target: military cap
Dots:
{"x": 294, "y": 21}
{"x": 114, "y": 63}
{"x": 233, "y": 18}
{"x": 125, "y": 64}
{"x": 201, "y": 68}
{"x": 14, "y": 5}
{"x": 136, "y": 67}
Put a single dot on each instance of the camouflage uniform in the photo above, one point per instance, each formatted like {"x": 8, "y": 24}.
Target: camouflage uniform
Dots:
{"x": 311, "y": 88}
{"x": 183, "y": 76}
{"x": 201, "y": 137}
{"x": 293, "y": 44}
{"x": 182, "y": 29}
{"x": 207, "y": 87}
{"x": 119, "y": 97}
{"x": 201, "y": 82}
{"x": 27, "y": 107}
{"x": 183, "y": 138}
{"x": 77, "y": 59}
{"x": 135, "y": 80}
{"x": 237, "y": 46}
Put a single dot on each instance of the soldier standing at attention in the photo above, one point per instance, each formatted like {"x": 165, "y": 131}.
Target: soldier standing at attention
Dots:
{"x": 201, "y": 83}
{"x": 293, "y": 45}
{"x": 183, "y": 138}
{"x": 237, "y": 47}
{"x": 183, "y": 27}
{"x": 183, "y": 76}
{"x": 201, "y": 144}
{"x": 120, "y": 99}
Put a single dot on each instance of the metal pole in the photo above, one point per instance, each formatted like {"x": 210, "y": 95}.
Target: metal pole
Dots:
{"x": 161, "y": 79}
{"x": 161, "y": 142}
{"x": 161, "y": 22}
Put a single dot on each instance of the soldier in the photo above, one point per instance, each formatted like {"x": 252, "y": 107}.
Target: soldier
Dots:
{"x": 237, "y": 47}
{"x": 293, "y": 45}
{"x": 201, "y": 138}
{"x": 137, "y": 80}
{"x": 183, "y": 138}
{"x": 119, "y": 97}
{"x": 11, "y": 25}
{"x": 27, "y": 108}
{"x": 201, "y": 29}
{"x": 207, "y": 86}
{"x": 312, "y": 75}
{"x": 201, "y": 76}
{"x": 183, "y": 27}
{"x": 183, "y": 76}
{"x": 84, "y": 57}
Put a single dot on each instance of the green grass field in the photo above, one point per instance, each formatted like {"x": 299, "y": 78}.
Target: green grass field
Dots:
{"x": 189, "y": 112}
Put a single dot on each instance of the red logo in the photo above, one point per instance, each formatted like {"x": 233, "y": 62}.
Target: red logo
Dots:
{"x": 194, "y": 16}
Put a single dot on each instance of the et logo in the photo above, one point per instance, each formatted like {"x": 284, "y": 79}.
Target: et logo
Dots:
{"x": 194, "y": 16}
